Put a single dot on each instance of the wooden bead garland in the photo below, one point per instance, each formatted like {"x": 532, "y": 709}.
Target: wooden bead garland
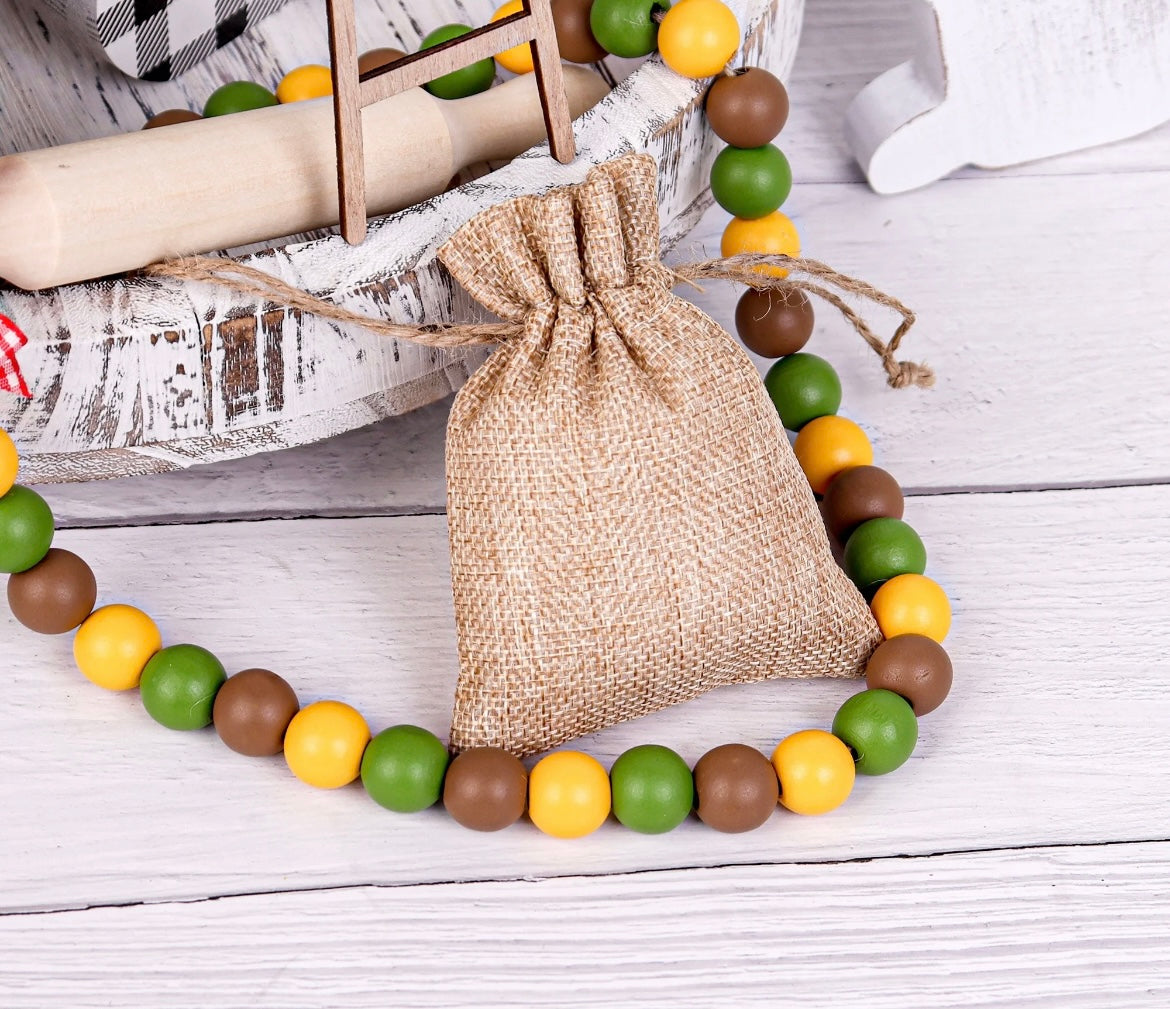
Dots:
{"x": 735, "y": 787}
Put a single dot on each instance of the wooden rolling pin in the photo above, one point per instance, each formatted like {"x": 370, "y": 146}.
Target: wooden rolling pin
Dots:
{"x": 106, "y": 206}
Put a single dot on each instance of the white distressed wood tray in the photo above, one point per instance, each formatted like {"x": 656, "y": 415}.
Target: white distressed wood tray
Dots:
{"x": 133, "y": 376}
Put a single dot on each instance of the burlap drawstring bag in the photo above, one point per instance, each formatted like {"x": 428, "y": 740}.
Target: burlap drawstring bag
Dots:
{"x": 629, "y": 526}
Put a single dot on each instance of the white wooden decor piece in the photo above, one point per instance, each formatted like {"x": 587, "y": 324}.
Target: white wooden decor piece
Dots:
{"x": 1001, "y": 82}
{"x": 134, "y": 376}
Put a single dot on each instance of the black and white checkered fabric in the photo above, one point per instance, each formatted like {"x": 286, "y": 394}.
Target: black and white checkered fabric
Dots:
{"x": 160, "y": 39}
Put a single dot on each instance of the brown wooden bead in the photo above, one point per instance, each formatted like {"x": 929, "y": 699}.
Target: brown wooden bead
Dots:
{"x": 735, "y": 787}
{"x": 859, "y": 494}
{"x": 252, "y": 711}
{"x": 485, "y": 789}
{"x": 54, "y": 596}
{"x": 774, "y": 323}
{"x": 171, "y": 117}
{"x": 574, "y": 36}
{"x": 377, "y": 58}
{"x": 913, "y": 666}
{"x": 748, "y": 108}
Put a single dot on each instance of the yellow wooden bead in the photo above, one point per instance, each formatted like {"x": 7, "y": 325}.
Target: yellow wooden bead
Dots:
{"x": 774, "y": 234}
{"x": 912, "y": 604}
{"x": 828, "y": 446}
{"x": 816, "y": 772}
{"x": 9, "y": 463}
{"x": 568, "y": 794}
{"x": 697, "y": 38}
{"x": 518, "y": 59}
{"x": 324, "y": 744}
{"x": 113, "y": 645}
{"x": 310, "y": 81}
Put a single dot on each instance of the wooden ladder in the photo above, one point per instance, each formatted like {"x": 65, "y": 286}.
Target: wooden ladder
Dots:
{"x": 353, "y": 91}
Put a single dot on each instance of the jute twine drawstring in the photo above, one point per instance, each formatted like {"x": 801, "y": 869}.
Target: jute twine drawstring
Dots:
{"x": 806, "y": 275}
{"x": 811, "y": 276}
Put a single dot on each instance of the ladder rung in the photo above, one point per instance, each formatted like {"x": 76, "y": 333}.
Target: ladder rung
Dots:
{"x": 417, "y": 68}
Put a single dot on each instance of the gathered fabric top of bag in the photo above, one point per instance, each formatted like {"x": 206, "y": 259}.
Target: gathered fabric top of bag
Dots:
{"x": 629, "y": 525}
{"x": 571, "y": 247}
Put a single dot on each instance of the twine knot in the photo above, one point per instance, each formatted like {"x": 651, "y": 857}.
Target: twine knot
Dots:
{"x": 906, "y": 373}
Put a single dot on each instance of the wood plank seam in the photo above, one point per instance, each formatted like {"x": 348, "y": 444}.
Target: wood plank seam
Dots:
{"x": 341, "y": 514}
{"x": 584, "y": 876}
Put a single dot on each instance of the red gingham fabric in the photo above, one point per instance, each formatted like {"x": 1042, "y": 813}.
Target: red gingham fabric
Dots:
{"x": 11, "y": 340}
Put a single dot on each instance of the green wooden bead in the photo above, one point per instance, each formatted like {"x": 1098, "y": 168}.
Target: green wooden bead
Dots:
{"x": 179, "y": 685}
{"x": 803, "y": 387}
{"x": 879, "y": 549}
{"x": 880, "y": 728}
{"x": 403, "y": 768}
{"x": 466, "y": 81}
{"x": 26, "y": 529}
{"x": 238, "y": 96}
{"x": 751, "y": 182}
{"x": 626, "y": 27}
{"x": 653, "y": 790}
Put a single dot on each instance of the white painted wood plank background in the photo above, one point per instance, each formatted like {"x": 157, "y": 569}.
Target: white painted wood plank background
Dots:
{"x": 1067, "y": 927}
{"x": 1036, "y": 803}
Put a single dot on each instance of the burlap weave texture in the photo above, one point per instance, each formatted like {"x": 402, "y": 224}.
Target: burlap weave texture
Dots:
{"x": 629, "y": 526}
